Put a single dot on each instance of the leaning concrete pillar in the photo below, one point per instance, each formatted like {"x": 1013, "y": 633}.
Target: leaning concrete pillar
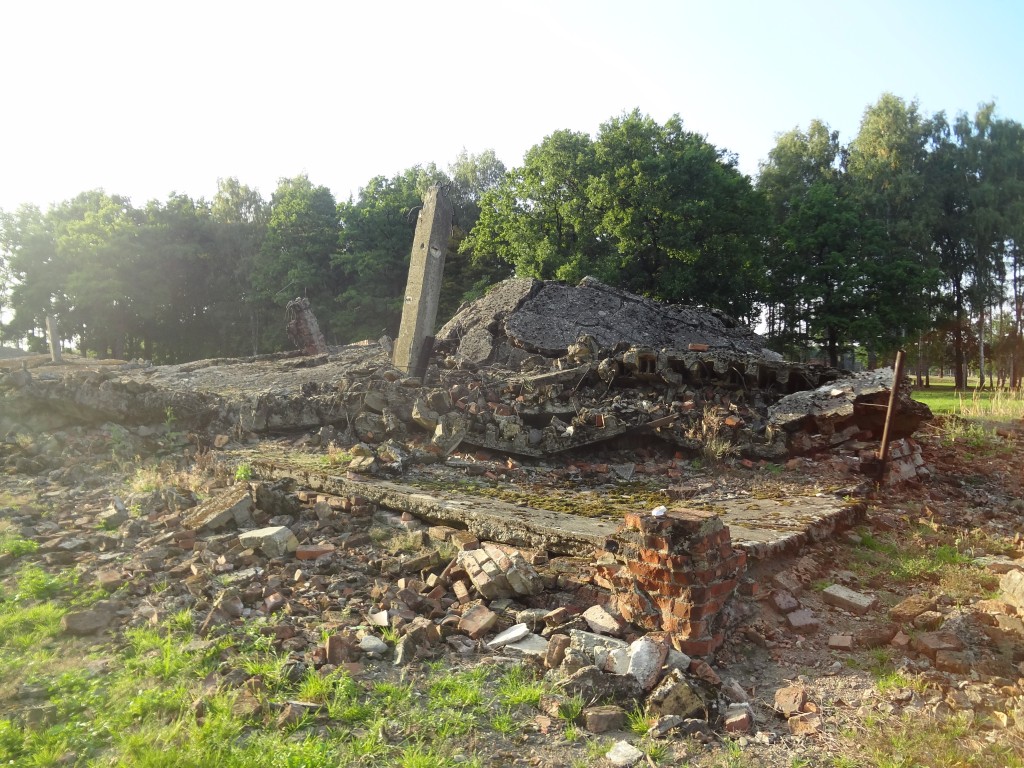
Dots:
{"x": 423, "y": 288}
{"x": 54, "y": 339}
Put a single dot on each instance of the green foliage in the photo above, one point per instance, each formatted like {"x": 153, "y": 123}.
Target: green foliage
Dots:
{"x": 652, "y": 208}
{"x": 243, "y": 473}
{"x": 372, "y": 259}
{"x": 571, "y": 708}
{"x": 517, "y": 687}
{"x": 34, "y": 583}
{"x": 13, "y": 544}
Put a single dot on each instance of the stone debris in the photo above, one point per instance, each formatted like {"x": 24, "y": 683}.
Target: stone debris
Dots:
{"x": 846, "y": 409}
{"x": 623, "y": 754}
{"x": 273, "y": 541}
{"x": 790, "y": 700}
{"x": 532, "y": 369}
{"x": 848, "y": 599}
{"x": 603, "y": 627}
{"x": 634, "y": 613}
{"x": 604, "y": 718}
{"x": 1011, "y": 584}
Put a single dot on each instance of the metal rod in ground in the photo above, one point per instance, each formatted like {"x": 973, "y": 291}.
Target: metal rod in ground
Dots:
{"x": 883, "y": 449}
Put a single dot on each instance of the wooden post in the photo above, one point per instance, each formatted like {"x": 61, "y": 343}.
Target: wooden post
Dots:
{"x": 883, "y": 449}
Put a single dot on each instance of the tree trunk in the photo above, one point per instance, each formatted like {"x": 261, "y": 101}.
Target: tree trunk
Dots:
{"x": 981, "y": 349}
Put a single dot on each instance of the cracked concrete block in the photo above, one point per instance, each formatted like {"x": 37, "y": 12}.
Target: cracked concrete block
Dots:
{"x": 848, "y": 599}
{"x": 646, "y": 657}
{"x": 275, "y": 541}
{"x": 675, "y": 696}
{"x": 232, "y": 507}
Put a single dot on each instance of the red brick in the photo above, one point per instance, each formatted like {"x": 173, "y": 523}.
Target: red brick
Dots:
{"x": 722, "y": 588}
{"x": 651, "y": 557}
{"x": 645, "y": 573}
{"x": 313, "y": 551}
{"x": 477, "y": 621}
{"x": 682, "y": 609}
{"x": 461, "y": 592}
{"x": 683, "y": 578}
{"x": 557, "y": 645}
{"x": 704, "y": 646}
{"x": 635, "y": 520}
{"x": 694, "y": 629}
{"x": 657, "y": 543}
{"x": 679, "y": 562}
{"x": 751, "y": 588}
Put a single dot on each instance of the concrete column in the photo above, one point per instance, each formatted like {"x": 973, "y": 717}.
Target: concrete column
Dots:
{"x": 423, "y": 288}
{"x": 54, "y": 339}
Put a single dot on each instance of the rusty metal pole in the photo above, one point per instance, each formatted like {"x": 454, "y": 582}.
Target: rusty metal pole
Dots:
{"x": 883, "y": 449}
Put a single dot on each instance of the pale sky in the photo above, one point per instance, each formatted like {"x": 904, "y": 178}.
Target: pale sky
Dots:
{"x": 144, "y": 99}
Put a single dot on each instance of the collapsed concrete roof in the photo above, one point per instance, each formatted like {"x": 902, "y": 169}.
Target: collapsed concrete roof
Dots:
{"x": 519, "y": 317}
{"x": 532, "y": 369}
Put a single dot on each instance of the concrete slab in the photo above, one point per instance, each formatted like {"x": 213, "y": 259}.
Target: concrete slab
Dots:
{"x": 764, "y": 528}
{"x": 767, "y": 528}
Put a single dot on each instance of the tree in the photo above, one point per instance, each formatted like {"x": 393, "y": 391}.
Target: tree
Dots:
{"x": 32, "y": 269}
{"x": 655, "y": 209}
{"x": 373, "y": 258}
{"x": 539, "y": 219}
{"x": 239, "y": 228}
{"x": 886, "y": 165}
{"x": 466, "y": 274}
{"x": 296, "y": 256}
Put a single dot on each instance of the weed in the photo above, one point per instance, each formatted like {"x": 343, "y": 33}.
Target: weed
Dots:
{"x": 390, "y": 635}
{"x": 243, "y": 473}
{"x": 517, "y": 687}
{"x": 504, "y": 723}
{"x": 335, "y": 456}
{"x": 393, "y": 696}
{"x": 464, "y": 689}
{"x": 638, "y": 721}
{"x": 14, "y": 545}
{"x": 656, "y": 751}
{"x": 571, "y": 708}
{"x": 733, "y": 755}
{"x": 417, "y": 756}
{"x": 36, "y": 584}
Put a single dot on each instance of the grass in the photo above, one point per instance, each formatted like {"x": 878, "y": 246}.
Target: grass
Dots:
{"x": 157, "y": 698}
{"x": 13, "y": 544}
{"x": 911, "y": 741}
{"x": 919, "y": 556}
{"x": 998, "y": 404}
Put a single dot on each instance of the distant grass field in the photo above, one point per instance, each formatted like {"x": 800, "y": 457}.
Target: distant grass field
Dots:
{"x": 942, "y": 398}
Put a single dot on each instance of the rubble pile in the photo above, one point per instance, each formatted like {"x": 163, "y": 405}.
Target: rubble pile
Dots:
{"x": 533, "y": 369}
{"x": 523, "y": 317}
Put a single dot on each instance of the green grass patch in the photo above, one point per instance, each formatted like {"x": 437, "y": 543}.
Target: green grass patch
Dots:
{"x": 13, "y": 544}
{"x": 943, "y": 398}
{"x": 912, "y": 741}
{"x": 914, "y": 557}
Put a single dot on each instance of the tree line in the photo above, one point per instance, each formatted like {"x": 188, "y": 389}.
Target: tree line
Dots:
{"x": 908, "y": 235}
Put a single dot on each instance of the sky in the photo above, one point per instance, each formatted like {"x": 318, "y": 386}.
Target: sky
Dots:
{"x": 147, "y": 99}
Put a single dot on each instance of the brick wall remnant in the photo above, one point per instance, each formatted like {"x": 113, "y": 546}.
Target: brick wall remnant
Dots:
{"x": 674, "y": 573}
